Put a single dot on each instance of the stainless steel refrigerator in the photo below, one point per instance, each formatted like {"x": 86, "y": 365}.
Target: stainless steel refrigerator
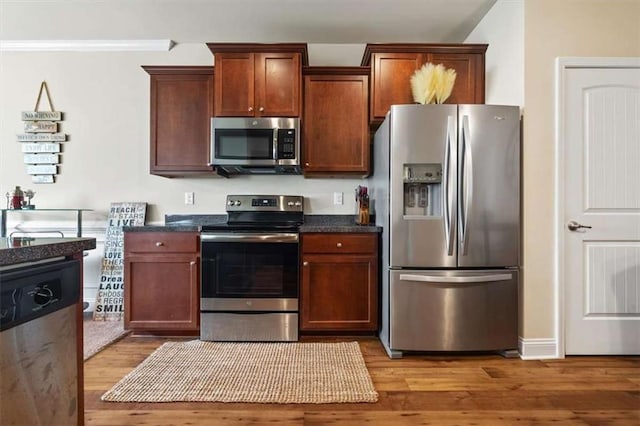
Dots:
{"x": 446, "y": 186}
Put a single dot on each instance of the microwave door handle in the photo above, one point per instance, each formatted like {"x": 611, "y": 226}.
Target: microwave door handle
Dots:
{"x": 274, "y": 153}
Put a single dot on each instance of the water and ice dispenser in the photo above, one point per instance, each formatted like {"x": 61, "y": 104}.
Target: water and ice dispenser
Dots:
{"x": 422, "y": 189}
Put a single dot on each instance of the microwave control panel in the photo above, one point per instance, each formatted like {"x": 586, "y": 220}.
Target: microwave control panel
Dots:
{"x": 286, "y": 144}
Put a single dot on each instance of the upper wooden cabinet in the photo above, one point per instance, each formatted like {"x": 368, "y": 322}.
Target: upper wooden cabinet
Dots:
{"x": 258, "y": 80}
{"x": 335, "y": 128}
{"x": 392, "y": 66}
{"x": 181, "y": 110}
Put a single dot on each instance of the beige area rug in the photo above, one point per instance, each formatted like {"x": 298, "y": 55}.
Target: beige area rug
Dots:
{"x": 97, "y": 335}
{"x": 282, "y": 373}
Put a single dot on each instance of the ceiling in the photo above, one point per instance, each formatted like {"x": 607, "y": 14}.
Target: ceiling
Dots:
{"x": 196, "y": 21}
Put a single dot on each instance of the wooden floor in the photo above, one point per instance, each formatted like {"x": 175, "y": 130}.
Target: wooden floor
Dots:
{"x": 414, "y": 390}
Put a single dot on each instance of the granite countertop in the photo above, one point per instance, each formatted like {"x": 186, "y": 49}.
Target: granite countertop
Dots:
{"x": 335, "y": 223}
{"x": 27, "y": 249}
{"x": 312, "y": 223}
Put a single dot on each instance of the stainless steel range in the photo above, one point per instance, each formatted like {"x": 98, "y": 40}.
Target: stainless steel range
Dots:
{"x": 250, "y": 270}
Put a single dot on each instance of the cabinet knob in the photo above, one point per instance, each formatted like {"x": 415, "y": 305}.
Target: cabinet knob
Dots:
{"x": 261, "y": 109}
{"x": 339, "y": 245}
{"x": 159, "y": 244}
{"x": 250, "y": 109}
{"x": 306, "y": 164}
{"x": 192, "y": 263}
{"x": 305, "y": 263}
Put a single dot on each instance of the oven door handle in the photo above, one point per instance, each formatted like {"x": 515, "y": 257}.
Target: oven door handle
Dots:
{"x": 253, "y": 237}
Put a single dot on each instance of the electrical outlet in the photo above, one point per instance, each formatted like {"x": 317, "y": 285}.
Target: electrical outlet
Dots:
{"x": 338, "y": 198}
{"x": 188, "y": 197}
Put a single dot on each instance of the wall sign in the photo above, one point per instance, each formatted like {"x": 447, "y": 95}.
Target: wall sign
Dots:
{"x": 109, "y": 301}
{"x": 41, "y": 136}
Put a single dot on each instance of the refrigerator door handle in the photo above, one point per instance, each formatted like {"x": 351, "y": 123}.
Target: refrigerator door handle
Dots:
{"x": 448, "y": 198}
{"x": 466, "y": 195}
{"x": 456, "y": 279}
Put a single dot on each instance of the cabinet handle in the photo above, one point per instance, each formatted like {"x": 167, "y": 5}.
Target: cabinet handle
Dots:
{"x": 305, "y": 263}
{"x": 192, "y": 263}
{"x": 261, "y": 109}
{"x": 250, "y": 109}
{"x": 159, "y": 244}
{"x": 339, "y": 245}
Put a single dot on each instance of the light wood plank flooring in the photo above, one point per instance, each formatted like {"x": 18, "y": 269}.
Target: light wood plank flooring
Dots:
{"x": 415, "y": 390}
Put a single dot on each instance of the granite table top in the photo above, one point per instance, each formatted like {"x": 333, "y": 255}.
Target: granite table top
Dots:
{"x": 27, "y": 249}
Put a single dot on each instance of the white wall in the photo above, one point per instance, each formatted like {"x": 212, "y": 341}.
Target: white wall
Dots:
{"x": 502, "y": 28}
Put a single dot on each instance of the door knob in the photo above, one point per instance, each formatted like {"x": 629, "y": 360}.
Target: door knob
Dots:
{"x": 574, "y": 226}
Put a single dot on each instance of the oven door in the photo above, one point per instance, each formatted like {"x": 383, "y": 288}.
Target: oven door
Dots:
{"x": 248, "y": 265}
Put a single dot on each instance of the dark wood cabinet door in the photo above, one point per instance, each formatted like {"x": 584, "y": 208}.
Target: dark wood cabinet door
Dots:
{"x": 339, "y": 293}
{"x": 161, "y": 292}
{"x": 180, "y": 112}
{"x": 278, "y": 84}
{"x": 392, "y": 81}
{"x": 393, "y": 64}
{"x": 469, "y": 84}
{"x": 234, "y": 82}
{"x": 335, "y": 125}
{"x": 258, "y": 79}
{"x": 339, "y": 285}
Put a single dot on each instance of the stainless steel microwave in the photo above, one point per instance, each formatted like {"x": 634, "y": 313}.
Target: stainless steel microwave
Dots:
{"x": 266, "y": 145}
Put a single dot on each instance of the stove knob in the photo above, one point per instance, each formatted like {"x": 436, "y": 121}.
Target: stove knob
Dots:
{"x": 238, "y": 202}
{"x": 290, "y": 203}
{"x": 230, "y": 203}
{"x": 298, "y": 203}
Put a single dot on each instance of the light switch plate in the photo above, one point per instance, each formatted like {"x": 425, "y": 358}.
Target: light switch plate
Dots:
{"x": 338, "y": 198}
{"x": 188, "y": 197}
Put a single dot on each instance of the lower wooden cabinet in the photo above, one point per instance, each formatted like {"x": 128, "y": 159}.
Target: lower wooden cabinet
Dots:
{"x": 162, "y": 282}
{"x": 339, "y": 288}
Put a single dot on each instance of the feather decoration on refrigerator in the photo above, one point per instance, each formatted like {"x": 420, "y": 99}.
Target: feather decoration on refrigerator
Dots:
{"x": 432, "y": 83}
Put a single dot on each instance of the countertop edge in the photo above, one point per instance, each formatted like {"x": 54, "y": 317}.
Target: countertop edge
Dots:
{"x": 43, "y": 249}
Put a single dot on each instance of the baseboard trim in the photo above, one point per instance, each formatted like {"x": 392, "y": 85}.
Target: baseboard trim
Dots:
{"x": 538, "y": 348}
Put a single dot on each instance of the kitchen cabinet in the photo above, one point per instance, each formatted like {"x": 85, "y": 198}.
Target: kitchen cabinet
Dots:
{"x": 180, "y": 113}
{"x": 339, "y": 288}
{"x": 335, "y": 126}
{"x": 392, "y": 66}
{"x": 258, "y": 80}
{"x": 162, "y": 285}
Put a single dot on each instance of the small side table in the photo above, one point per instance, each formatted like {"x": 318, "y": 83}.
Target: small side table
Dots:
{"x": 3, "y": 223}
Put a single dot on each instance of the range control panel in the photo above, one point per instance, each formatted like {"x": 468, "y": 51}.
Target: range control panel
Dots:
{"x": 269, "y": 203}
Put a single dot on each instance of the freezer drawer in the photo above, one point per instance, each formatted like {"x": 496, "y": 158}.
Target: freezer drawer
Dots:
{"x": 453, "y": 310}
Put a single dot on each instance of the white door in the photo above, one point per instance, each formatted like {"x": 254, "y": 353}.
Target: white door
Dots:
{"x": 601, "y": 191}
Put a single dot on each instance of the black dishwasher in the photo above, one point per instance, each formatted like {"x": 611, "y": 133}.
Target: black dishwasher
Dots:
{"x": 38, "y": 343}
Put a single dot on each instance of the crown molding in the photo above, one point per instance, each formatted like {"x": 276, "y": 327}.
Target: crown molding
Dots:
{"x": 85, "y": 45}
